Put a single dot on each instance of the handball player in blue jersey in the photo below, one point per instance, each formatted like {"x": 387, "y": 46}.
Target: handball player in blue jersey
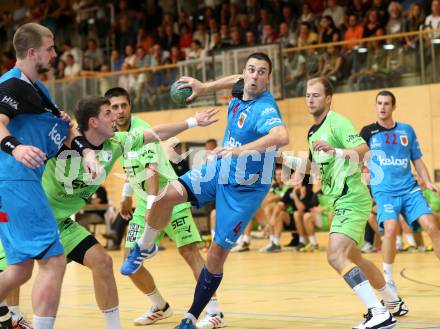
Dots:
{"x": 238, "y": 179}
{"x": 32, "y": 130}
{"x": 394, "y": 147}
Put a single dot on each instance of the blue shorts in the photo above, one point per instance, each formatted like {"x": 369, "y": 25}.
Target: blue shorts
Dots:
{"x": 411, "y": 205}
{"x": 28, "y": 229}
{"x": 235, "y": 204}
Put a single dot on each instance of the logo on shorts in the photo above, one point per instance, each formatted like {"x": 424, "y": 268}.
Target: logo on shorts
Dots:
{"x": 404, "y": 140}
{"x": 388, "y": 208}
{"x": 237, "y": 228}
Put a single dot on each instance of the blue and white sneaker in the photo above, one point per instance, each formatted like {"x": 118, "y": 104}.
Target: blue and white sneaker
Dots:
{"x": 135, "y": 258}
{"x": 186, "y": 324}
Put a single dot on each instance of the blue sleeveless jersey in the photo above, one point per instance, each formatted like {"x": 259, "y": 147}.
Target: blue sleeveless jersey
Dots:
{"x": 393, "y": 150}
{"x": 33, "y": 121}
{"x": 247, "y": 122}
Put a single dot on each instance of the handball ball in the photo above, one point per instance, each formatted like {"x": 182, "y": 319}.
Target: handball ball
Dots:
{"x": 179, "y": 96}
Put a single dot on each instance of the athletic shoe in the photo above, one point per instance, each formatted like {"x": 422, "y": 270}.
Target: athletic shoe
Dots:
{"x": 430, "y": 248}
{"x": 271, "y": 247}
{"x": 22, "y": 323}
{"x": 409, "y": 248}
{"x": 309, "y": 248}
{"x": 153, "y": 315}
{"x": 396, "y": 308}
{"x": 241, "y": 247}
{"x": 294, "y": 242}
{"x": 212, "y": 321}
{"x": 377, "y": 318}
{"x": 5, "y": 318}
{"x": 367, "y": 248}
{"x": 299, "y": 246}
{"x": 186, "y": 324}
{"x": 135, "y": 258}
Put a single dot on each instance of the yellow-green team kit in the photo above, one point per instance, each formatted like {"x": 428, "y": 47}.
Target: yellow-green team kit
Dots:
{"x": 181, "y": 227}
{"x": 341, "y": 178}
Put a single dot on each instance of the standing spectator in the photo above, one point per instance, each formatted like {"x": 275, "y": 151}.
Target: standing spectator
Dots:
{"x": 336, "y": 12}
{"x": 396, "y": 23}
{"x": 93, "y": 56}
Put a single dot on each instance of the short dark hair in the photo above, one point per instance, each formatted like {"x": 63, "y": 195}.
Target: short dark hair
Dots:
{"x": 116, "y": 92}
{"x": 387, "y": 93}
{"x": 88, "y": 107}
{"x": 328, "y": 87}
{"x": 261, "y": 57}
{"x": 211, "y": 141}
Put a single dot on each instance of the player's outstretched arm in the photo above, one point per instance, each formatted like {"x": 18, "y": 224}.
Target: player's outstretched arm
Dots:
{"x": 424, "y": 174}
{"x": 167, "y": 130}
{"x": 200, "y": 88}
{"x": 31, "y": 156}
{"x": 356, "y": 153}
{"x": 276, "y": 138}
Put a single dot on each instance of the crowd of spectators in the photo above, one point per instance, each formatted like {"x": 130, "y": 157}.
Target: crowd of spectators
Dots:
{"x": 157, "y": 32}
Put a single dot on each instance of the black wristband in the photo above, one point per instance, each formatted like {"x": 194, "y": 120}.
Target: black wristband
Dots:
{"x": 9, "y": 143}
{"x": 79, "y": 144}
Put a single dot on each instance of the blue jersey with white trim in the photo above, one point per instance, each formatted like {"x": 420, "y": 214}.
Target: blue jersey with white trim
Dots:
{"x": 247, "y": 122}
{"x": 392, "y": 152}
{"x": 34, "y": 120}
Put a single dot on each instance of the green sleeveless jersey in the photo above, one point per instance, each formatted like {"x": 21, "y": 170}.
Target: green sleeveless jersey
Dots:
{"x": 135, "y": 161}
{"x": 340, "y": 177}
{"x": 67, "y": 186}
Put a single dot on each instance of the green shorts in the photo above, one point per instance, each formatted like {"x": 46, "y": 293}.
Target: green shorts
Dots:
{"x": 181, "y": 228}
{"x": 350, "y": 217}
{"x": 71, "y": 234}
{"x": 2, "y": 258}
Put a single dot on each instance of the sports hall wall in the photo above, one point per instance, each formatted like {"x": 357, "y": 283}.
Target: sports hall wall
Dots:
{"x": 419, "y": 106}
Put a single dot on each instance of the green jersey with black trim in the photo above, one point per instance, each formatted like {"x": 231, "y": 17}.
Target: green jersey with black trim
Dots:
{"x": 66, "y": 184}
{"x": 135, "y": 162}
{"x": 338, "y": 176}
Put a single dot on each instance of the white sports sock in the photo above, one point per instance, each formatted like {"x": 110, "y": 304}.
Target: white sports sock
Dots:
{"x": 399, "y": 241}
{"x": 271, "y": 237}
{"x": 111, "y": 317}
{"x": 157, "y": 299}
{"x": 312, "y": 239}
{"x": 388, "y": 294}
{"x": 15, "y": 311}
{"x": 191, "y": 317}
{"x": 410, "y": 239}
{"x": 246, "y": 238}
{"x": 302, "y": 239}
{"x": 213, "y": 306}
{"x": 43, "y": 322}
{"x": 147, "y": 239}
{"x": 388, "y": 271}
{"x": 364, "y": 291}
{"x": 276, "y": 240}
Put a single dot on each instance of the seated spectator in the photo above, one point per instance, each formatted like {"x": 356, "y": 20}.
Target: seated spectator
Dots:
{"x": 269, "y": 35}
{"x": 372, "y": 26}
{"x": 289, "y": 18}
{"x": 251, "y": 39}
{"x": 331, "y": 64}
{"x": 225, "y": 34}
{"x": 130, "y": 57}
{"x": 59, "y": 72}
{"x": 176, "y": 54}
{"x": 382, "y": 11}
{"x": 116, "y": 60}
{"x": 72, "y": 69}
{"x": 235, "y": 38}
{"x": 286, "y": 37}
{"x": 312, "y": 70}
{"x": 395, "y": 22}
{"x": 158, "y": 56}
{"x": 358, "y": 8}
{"x": 336, "y": 12}
{"x": 295, "y": 72}
{"x": 196, "y": 51}
{"x": 201, "y": 35}
{"x": 93, "y": 56}
{"x": 67, "y": 49}
{"x": 171, "y": 38}
{"x": 354, "y": 31}
{"x": 307, "y": 16}
{"x": 216, "y": 44}
{"x": 413, "y": 22}
{"x": 185, "y": 38}
{"x": 141, "y": 58}
{"x": 144, "y": 39}
{"x": 305, "y": 36}
{"x": 433, "y": 21}
{"x": 327, "y": 30}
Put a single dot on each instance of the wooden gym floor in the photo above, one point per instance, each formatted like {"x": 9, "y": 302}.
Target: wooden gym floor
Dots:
{"x": 259, "y": 291}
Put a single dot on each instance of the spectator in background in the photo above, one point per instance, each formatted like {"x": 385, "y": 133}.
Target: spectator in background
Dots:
{"x": 141, "y": 58}
{"x": 235, "y": 38}
{"x": 196, "y": 51}
{"x": 396, "y": 23}
{"x": 59, "y": 72}
{"x": 286, "y": 38}
{"x": 116, "y": 60}
{"x": 331, "y": 64}
{"x": 225, "y": 34}
{"x": 144, "y": 39}
{"x": 305, "y": 36}
{"x": 294, "y": 73}
{"x": 244, "y": 24}
{"x": 130, "y": 57}
{"x": 201, "y": 35}
{"x": 372, "y": 26}
{"x": 336, "y": 12}
{"x": 264, "y": 20}
{"x": 354, "y": 31}
{"x": 251, "y": 39}
{"x": 72, "y": 69}
{"x": 176, "y": 54}
{"x": 433, "y": 21}
{"x": 307, "y": 16}
{"x": 289, "y": 18}
{"x": 158, "y": 56}
{"x": 269, "y": 35}
{"x": 327, "y": 30}
{"x": 381, "y": 7}
{"x": 357, "y": 7}
{"x": 93, "y": 56}
{"x": 68, "y": 49}
{"x": 413, "y": 22}
{"x": 185, "y": 39}
{"x": 216, "y": 44}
